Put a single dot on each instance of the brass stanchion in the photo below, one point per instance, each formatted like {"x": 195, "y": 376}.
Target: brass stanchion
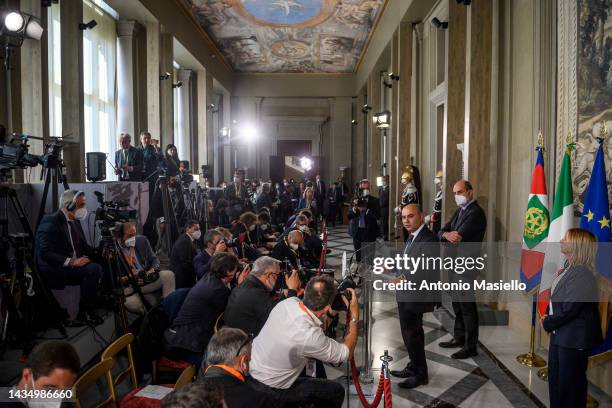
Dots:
{"x": 531, "y": 359}
{"x": 543, "y": 374}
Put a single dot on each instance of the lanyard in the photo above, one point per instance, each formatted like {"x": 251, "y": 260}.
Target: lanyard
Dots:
{"x": 229, "y": 369}
{"x": 301, "y": 305}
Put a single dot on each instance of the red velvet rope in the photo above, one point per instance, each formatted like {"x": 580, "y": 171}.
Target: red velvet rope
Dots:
{"x": 387, "y": 392}
{"x": 362, "y": 398}
{"x": 323, "y": 249}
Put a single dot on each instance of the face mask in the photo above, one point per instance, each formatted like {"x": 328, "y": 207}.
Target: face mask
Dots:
{"x": 411, "y": 188}
{"x": 81, "y": 213}
{"x": 294, "y": 246}
{"x": 366, "y": 192}
{"x": 252, "y": 228}
{"x": 42, "y": 403}
{"x": 460, "y": 200}
{"x": 130, "y": 242}
{"x": 264, "y": 227}
{"x": 196, "y": 234}
{"x": 302, "y": 227}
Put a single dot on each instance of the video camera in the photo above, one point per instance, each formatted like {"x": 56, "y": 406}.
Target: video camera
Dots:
{"x": 111, "y": 212}
{"x": 14, "y": 153}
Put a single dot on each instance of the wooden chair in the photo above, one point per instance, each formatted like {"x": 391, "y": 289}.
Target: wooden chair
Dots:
{"x": 219, "y": 322}
{"x": 100, "y": 370}
{"x": 123, "y": 342}
{"x": 186, "y": 377}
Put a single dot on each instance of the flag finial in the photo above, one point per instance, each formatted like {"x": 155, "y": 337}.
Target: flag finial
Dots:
{"x": 540, "y": 140}
{"x": 569, "y": 142}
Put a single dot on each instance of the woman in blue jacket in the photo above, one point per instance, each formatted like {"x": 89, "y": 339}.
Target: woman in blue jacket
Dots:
{"x": 572, "y": 319}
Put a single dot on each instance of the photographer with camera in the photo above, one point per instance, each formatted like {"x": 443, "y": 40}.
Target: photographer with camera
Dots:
{"x": 194, "y": 325}
{"x": 289, "y": 249}
{"x": 183, "y": 252}
{"x": 293, "y": 338}
{"x": 214, "y": 244}
{"x": 250, "y": 303}
{"x": 63, "y": 255}
{"x": 144, "y": 266}
{"x": 363, "y": 228}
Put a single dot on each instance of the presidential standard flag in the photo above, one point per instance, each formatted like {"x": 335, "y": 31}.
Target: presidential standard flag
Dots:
{"x": 536, "y": 228}
{"x": 596, "y": 214}
{"x": 562, "y": 219}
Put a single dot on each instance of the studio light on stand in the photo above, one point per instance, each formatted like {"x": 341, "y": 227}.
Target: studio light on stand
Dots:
{"x": 15, "y": 27}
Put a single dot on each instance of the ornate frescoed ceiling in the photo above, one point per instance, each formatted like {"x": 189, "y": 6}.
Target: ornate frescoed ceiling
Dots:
{"x": 270, "y": 36}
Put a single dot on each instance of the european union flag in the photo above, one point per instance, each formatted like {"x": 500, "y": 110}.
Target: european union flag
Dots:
{"x": 596, "y": 214}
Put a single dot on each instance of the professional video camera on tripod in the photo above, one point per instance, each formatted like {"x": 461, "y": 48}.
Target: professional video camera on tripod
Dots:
{"x": 108, "y": 214}
{"x": 26, "y": 302}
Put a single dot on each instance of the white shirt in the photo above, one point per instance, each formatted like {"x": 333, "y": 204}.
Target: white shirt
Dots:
{"x": 291, "y": 336}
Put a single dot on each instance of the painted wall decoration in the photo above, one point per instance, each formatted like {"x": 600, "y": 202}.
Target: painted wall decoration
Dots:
{"x": 303, "y": 36}
{"x": 594, "y": 96}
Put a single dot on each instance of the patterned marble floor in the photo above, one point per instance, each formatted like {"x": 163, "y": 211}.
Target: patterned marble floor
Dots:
{"x": 482, "y": 381}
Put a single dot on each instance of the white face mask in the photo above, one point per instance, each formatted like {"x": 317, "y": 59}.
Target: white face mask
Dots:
{"x": 130, "y": 242}
{"x": 302, "y": 227}
{"x": 42, "y": 403}
{"x": 264, "y": 227}
{"x": 294, "y": 246}
{"x": 196, "y": 234}
{"x": 252, "y": 227}
{"x": 366, "y": 192}
{"x": 461, "y": 200}
{"x": 81, "y": 213}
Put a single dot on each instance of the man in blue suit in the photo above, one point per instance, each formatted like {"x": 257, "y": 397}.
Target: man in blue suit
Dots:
{"x": 63, "y": 255}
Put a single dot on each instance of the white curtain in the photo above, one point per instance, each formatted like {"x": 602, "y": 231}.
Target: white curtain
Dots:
{"x": 55, "y": 70}
{"x": 99, "y": 58}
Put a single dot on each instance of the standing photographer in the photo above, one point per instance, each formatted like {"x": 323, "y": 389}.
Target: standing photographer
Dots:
{"x": 128, "y": 160}
{"x": 293, "y": 338}
{"x": 144, "y": 268}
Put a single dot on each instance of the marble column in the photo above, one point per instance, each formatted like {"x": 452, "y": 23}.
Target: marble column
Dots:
{"x": 374, "y": 135}
{"x": 394, "y": 132}
{"x": 228, "y": 156}
{"x": 184, "y": 76}
{"x": 32, "y": 94}
{"x": 153, "y": 81}
{"x": 126, "y": 79}
{"x": 165, "y": 89}
{"x": 405, "y": 64}
{"x": 452, "y": 162}
{"x": 73, "y": 127}
{"x": 478, "y": 108}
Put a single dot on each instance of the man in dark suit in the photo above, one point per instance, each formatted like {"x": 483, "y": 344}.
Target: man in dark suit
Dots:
{"x": 183, "y": 252}
{"x": 363, "y": 228}
{"x": 289, "y": 249}
{"x": 236, "y": 196}
{"x": 63, "y": 255}
{"x": 468, "y": 225}
{"x": 383, "y": 197}
{"x": 412, "y": 305}
{"x": 320, "y": 190}
{"x": 373, "y": 203}
{"x": 128, "y": 160}
{"x": 227, "y": 363}
{"x": 194, "y": 325}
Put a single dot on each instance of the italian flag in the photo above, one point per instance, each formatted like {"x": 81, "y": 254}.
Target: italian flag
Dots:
{"x": 536, "y": 228}
{"x": 562, "y": 219}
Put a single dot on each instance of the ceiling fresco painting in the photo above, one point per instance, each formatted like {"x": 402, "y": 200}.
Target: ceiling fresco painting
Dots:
{"x": 303, "y": 36}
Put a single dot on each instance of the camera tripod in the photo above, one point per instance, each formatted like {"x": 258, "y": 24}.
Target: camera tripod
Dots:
{"x": 23, "y": 287}
{"x": 118, "y": 267}
{"x": 53, "y": 174}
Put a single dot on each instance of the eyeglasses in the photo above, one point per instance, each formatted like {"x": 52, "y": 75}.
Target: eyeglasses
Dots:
{"x": 248, "y": 340}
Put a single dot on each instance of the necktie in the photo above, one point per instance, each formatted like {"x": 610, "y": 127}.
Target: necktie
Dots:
{"x": 76, "y": 238}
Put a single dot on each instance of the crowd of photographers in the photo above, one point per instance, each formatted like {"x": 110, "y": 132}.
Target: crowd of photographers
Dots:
{"x": 254, "y": 272}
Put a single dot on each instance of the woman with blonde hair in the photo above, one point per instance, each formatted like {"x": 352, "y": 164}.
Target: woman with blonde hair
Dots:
{"x": 572, "y": 320}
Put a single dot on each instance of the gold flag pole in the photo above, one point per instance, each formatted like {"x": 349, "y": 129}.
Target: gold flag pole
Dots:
{"x": 531, "y": 359}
